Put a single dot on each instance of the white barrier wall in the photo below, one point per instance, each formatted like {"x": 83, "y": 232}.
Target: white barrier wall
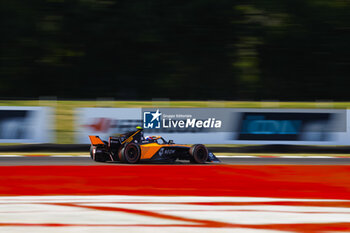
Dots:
{"x": 238, "y": 126}
{"x": 25, "y": 125}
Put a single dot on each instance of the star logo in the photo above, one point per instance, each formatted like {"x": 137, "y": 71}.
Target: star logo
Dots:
{"x": 156, "y": 115}
{"x": 152, "y": 120}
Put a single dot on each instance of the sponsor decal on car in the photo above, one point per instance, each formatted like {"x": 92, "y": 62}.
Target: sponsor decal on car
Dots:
{"x": 165, "y": 151}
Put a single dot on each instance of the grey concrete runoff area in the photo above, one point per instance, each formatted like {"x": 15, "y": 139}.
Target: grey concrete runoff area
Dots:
{"x": 86, "y": 161}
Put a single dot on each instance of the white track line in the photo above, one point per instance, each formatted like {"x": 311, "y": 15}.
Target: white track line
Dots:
{"x": 62, "y": 156}
{"x": 125, "y": 198}
{"x": 238, "y": 156}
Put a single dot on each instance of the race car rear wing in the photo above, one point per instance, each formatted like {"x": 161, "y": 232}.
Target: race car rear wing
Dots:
{"x": 95, "y": 140}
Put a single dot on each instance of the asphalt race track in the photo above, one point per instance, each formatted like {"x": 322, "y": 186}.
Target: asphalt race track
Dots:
{"x": 69, "y": 194}
{"x": 78, "y": 160}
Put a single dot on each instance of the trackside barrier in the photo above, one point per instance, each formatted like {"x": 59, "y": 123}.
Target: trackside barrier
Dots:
{"x": 25, "y": 125}
{"x": 220, "y": 125}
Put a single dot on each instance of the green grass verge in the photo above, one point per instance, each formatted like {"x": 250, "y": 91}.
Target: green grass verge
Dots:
{"x": 64, "y": 110}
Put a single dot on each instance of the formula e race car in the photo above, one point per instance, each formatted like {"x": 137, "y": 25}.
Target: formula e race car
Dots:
{"x": 132, "y": 147}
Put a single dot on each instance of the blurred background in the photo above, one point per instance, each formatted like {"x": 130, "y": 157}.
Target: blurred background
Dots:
{"x": 184, "y": 50}
{"x": 76, "y": 54}
{"x": 278, "y": 69}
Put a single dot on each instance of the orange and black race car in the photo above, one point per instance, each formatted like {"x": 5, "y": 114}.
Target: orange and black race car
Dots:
{"x": 132, "y": 147}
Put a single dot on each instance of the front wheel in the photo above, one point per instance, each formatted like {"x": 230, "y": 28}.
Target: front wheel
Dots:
{"x": 131, "y": 153}
{"x": 199, "y": 153}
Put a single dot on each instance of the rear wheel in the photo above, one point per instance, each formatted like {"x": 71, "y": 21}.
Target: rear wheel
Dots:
{"x": 199, "y": 153}
{"x": 130, "y": 153}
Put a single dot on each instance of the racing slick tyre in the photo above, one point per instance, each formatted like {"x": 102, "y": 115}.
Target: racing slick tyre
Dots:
{"x": 130, "y": 153}
{"x": 98, "y": 155}
{"x": 199, "y": 153}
